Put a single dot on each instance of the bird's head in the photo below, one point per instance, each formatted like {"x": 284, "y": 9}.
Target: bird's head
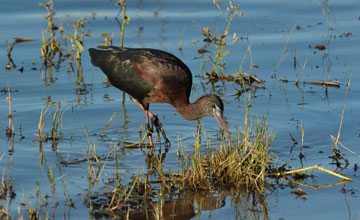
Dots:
{"x": 213, "y": 106}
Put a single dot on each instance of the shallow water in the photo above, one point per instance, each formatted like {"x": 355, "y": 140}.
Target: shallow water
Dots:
{"x": 266, "y": 26}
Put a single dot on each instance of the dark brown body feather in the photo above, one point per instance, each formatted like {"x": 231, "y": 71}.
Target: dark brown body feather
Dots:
{"x": 148, "y": 75}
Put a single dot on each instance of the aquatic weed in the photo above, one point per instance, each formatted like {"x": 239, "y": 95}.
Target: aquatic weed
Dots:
{"x": 220, "y": 42}
{"x": 77, "y": 39}
{"x": 241, "y": 166}
{"x": 108, "y": 38}
{"x": 10, "y": 131}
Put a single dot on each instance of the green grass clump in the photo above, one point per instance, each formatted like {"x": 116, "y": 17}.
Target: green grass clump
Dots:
{"x": 240, "y": 167}
{"x": 57, "y": 118}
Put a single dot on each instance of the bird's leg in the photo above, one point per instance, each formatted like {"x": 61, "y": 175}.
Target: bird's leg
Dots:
{"x": 159, "y": 128}
{"x": 155, "y": 121}
{"x": 148, "y": 128}
{"x": 147, "y": 114}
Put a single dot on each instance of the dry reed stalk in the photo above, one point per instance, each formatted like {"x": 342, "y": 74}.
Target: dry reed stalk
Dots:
{"x": 346, "y": 148}
{"x": 11, "y": 129}
{"x": 319, "y": 168}
{"x": 342, "y": 113}
{"x": 302, "y": 71}
{"x": 108, "y": 123}
{"x": 283, "y": 54}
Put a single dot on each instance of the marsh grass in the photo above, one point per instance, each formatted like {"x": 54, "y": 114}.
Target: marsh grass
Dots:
{"x": 93, "y": 173}
{"x": 77, "y": 39}
{"x": 50, "y": 46}
{"x": 220, "y": 42}
{"x": 337, "y": 155}
{"x": 302, "y": 72}
{"x": 57, "y": 119}
{"x": 4, "y": 187}
{"x": 285, "y": 50}
{"x": 10, "y": 130}
{"x": 108, "y": 38}
{"x": 55, "y": 135}
{"x": 52, "y": 183}
{"x": 7, "y": 193}
{"x": 121, "y": 194}
{"x": 325, "y": 84}
{"x": 242, "y": 166}
{"x": 38, "y": 205}
{"x": 42, "y": 120}
{"x": 108, "y": 123}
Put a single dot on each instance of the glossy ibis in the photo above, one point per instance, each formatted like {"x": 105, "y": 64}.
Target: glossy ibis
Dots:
{"x": 155, "y": 76}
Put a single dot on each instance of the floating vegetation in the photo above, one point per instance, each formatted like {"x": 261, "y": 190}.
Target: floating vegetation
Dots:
{"x": 326, "y": 84}
{"x": 243, "y": 78}
{"x": 320, "y": 47}
{"x": 11, "y": 47}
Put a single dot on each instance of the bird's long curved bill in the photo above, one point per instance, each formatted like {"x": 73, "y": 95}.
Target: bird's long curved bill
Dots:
{"x": 223, "y": 124}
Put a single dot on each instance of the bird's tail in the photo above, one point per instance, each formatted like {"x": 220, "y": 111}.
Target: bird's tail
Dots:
{"x": 101, "y": 55}
{"x": 97, "y": 56}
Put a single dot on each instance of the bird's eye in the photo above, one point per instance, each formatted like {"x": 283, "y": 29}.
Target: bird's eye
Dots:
{"x": 214, "y": 108}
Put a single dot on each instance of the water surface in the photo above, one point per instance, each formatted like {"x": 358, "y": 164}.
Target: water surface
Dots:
{"x": 266, "y": 26}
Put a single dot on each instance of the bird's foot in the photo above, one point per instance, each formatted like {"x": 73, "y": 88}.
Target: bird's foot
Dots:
{"x": 159, "y": 129}
{"x": 149, "y": 132}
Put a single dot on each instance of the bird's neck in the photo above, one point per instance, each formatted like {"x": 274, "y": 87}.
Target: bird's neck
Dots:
{"x": 190, "y": 111}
